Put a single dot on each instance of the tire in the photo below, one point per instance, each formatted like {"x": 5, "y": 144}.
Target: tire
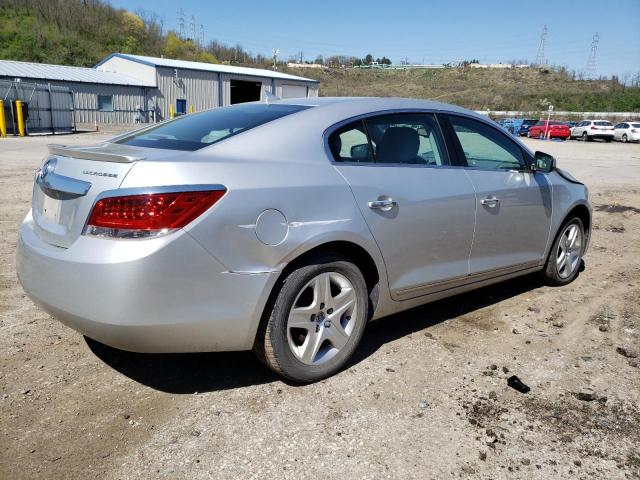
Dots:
{"x": 585, "y": 137}
{"x": 608, "y": 140}
{"x": 625, "y": 139}
{"x": 556, "y": 272}
{"x": 304, "y": 350}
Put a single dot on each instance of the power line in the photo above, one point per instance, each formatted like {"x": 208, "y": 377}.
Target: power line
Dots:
{"x": 591, "y": 62}
{"x": 540, "y": 60}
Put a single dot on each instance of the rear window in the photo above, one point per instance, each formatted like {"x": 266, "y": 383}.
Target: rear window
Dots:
{"x": 635, "y": 125}
{"x": 529, "y": 122}
{"x": 603, "y": 124}
{"x": 199, "y": 130}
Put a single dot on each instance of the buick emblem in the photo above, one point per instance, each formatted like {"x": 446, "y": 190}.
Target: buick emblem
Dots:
{"x": 48, "y": 167}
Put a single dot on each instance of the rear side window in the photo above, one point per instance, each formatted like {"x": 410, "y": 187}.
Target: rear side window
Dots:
{"x": 634, "y": 125}
{"x": 484, "y": 146}
{"x": 199, "y": 130}
{"x": 407, "y": 138}
{"x": 351, "y": 144}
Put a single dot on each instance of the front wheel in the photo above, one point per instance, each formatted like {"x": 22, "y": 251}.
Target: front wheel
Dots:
{"x": 625, "y": 139}
{"x": 316, "y": 321}
{"x": 565, "y": 258}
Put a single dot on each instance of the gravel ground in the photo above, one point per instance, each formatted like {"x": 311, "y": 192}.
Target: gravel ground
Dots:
{"x": 426, "y": 396}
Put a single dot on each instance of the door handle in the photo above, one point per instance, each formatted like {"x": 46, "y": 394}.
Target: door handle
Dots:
{"x": 383, "y": 205}
{"x": 490, "y": 201}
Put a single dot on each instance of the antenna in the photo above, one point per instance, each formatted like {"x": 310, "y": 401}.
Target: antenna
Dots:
{"x": 181, "y": 23}
{"x": 540, "y": 60}
{"x": 201, "y": 36}
{"x": 192, "y": 28}
{"x": 591, "y": 63}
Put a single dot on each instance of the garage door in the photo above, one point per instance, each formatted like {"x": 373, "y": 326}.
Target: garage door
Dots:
{"x": 294, "y": 91}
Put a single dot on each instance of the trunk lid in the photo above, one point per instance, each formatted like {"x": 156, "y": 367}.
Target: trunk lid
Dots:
{"x": 67, "y": 184}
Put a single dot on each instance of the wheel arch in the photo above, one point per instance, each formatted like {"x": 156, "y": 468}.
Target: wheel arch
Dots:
{"x": 373, "y": 273}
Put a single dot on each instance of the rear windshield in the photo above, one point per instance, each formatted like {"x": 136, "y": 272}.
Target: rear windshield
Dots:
{"x": 530, "y": 122}
{"x": 603, "y": 124}
{"x": 635, "y": 125}
{"x": 199, "y": 130}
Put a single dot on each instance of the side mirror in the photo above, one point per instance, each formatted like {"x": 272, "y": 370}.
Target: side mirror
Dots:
{"x": 360, "y": 152}
{"x": 544, "y": 163}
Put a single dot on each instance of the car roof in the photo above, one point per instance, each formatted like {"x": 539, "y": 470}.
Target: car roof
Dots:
{"x": 346, "y": 107}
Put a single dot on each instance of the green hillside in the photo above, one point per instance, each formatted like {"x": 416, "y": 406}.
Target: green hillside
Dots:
{"x": 81, "y": 32}
{"x": 481, "y": 89}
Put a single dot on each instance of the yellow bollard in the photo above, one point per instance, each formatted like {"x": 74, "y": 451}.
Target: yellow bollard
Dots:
{"x": 3, "y": 122}
{"x": 20, "y": 118}
{"x": 170, "y": 111}
{"x": 190, "y": 108}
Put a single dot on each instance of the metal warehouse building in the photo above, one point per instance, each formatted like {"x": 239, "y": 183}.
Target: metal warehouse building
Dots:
{"x": 125, "y": 88}
{"x": 99, "y": 97}
{"x": 183, "y": 86}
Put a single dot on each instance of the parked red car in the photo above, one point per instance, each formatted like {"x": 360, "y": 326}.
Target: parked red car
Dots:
{"x": 551, "y": 129}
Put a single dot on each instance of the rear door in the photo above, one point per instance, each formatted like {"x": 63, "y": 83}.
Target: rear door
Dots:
{"x": 513, "y": 205}
{"x": 419, "y": 207}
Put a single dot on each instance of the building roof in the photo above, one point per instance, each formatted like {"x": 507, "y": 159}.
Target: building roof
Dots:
{"x": 209, "y": 67}
{"x": 43, "y": 71}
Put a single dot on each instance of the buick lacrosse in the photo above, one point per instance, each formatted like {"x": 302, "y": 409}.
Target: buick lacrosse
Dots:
{"x": 284, "y": 227}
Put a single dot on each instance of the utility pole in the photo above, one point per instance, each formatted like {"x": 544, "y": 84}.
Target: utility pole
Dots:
{"x": 202, "y": 36}
{"x": 540, "y": 60}
{"x": 591, "y": 63}
{"x": 181, "y": 23}
{"x": 275, "y": 53}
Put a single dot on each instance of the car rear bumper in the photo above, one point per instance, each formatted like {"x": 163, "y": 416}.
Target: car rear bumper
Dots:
{"x": 165, "y": 294}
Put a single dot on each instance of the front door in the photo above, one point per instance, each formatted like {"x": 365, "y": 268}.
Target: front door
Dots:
{"x": 419, "y": 208}
{"x": 513, "y": 205}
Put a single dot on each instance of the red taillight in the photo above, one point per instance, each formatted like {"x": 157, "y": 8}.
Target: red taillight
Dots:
{"x": 594, "y": 128}
{"x": 153, "y": 212}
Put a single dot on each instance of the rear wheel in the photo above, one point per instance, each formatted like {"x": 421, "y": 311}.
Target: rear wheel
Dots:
{"x": 565, "y": 258}
{"x": 585, "y": 137}
{"x": 316, "y": 321}
{"x": 608, "y": 140}
{"x": 625, "y": 139}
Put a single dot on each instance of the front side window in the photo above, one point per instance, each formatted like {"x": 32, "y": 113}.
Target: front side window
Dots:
{"x": 407, "y": 138}
{"x": 486, "y": 147}
{"x": 105, "y": 103}
{"x": 199, "y": 130}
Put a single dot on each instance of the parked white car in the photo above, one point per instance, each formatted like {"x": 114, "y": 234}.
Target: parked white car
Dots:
{"x": 589, "y": 130}
{"x": 627, "y": 132}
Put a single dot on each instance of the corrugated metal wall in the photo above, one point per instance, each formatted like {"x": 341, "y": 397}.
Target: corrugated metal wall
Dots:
{"x": 198, "y": 88}
{"x": 129, "y": 103}
{"x": 47, "y": 108}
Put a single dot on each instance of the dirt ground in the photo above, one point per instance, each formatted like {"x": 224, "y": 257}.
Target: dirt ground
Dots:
{"x": 426, "y": 397}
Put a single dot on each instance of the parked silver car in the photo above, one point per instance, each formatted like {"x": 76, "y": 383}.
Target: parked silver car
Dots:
{"x": 285, "y": 227}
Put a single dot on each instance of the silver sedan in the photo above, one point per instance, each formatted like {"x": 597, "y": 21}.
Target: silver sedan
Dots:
{"x": 284, "y": 227}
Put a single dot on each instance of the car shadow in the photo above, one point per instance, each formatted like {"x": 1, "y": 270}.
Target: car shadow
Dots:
{"x": 187, "y": 373}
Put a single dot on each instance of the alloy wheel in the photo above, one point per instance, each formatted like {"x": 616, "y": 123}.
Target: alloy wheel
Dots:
{"x": 569, "y": 251}
{"x": 322, "y": 318}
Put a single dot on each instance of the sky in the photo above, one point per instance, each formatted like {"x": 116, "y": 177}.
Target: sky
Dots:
{"x": 422, "y": 31}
